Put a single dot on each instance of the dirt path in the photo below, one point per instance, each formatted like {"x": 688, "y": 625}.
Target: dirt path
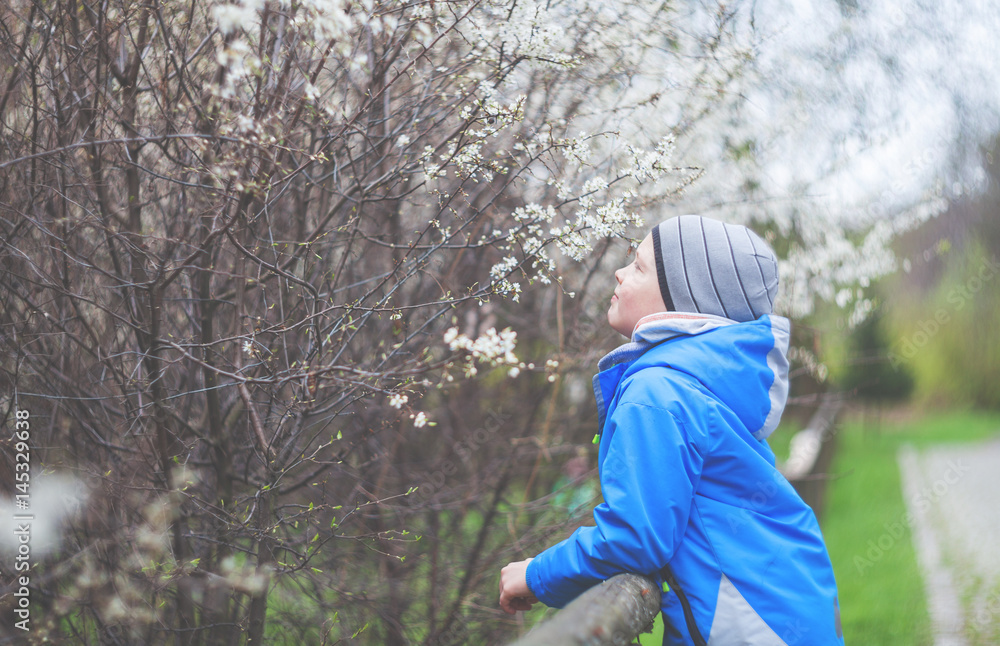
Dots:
{"x": 953, "y": 496}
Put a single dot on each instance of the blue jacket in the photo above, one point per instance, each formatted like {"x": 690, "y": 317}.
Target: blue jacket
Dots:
{"x": 691, "y": 493}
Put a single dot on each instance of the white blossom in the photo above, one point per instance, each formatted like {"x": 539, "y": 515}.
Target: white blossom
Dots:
{"x": 245, "y": 124}
{"x": 527, "y": 29}
{"x": 230, "y": 17}
{"x": 492, "y": 347}
{"x": 310, "y": 91}
{"x": 651, "y": 164}
{"x": 239, "y": 62}
{"x": 501, "y": 269}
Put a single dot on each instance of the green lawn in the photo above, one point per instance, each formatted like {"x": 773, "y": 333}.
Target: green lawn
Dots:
{"x": 881, "y": 591}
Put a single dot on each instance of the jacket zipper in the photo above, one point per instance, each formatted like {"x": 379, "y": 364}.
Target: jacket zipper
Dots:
{"x": 692, "y": 627}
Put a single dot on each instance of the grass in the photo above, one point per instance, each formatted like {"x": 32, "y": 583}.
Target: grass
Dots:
{"x": 880, "y": 587}
{"x": 881, "y": 590}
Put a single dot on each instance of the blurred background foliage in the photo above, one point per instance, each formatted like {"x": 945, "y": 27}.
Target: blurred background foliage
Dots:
{"x": 932, "y": 337}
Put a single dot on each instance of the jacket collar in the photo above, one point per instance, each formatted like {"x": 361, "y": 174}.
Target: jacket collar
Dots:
{"x": 654, "y": 329}
{"x": 760, "y": 375}
{"x": 649, "y": 331}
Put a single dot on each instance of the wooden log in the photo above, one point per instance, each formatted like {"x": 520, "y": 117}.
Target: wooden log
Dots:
{"x": 613, "y": 612}
{"x": 807, "y": 444}
{"x": 811, "y": 453}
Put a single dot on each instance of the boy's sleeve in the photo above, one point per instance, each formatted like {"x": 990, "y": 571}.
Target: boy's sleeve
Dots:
{"x": 648, "y": 479}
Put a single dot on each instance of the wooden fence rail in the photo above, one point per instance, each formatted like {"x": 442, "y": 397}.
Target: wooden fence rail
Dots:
{"x": 613, "y": 612}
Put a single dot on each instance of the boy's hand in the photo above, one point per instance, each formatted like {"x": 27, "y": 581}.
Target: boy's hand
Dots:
{"x": 514, "y": 592}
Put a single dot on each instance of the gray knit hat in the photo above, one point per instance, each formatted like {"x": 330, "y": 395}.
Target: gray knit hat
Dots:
{"x": 711, "y": 267}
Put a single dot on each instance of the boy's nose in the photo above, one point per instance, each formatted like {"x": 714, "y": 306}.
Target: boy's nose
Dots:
{"x": 618, "y": 276}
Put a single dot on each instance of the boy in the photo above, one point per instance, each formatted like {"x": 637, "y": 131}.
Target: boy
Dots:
{"x": 691, "y": 494}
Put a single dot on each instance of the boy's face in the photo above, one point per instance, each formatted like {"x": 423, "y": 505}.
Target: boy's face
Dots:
{"x": 638, "y": 291}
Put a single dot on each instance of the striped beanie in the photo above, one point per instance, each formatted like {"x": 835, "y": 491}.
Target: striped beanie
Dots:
{"x": 711, "y": 267}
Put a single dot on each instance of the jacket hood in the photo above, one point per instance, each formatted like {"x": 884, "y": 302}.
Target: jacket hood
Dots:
{"x": 744, "y": 365}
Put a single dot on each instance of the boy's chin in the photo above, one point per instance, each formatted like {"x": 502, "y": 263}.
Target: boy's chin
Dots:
{"x": 618, "y": 327}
